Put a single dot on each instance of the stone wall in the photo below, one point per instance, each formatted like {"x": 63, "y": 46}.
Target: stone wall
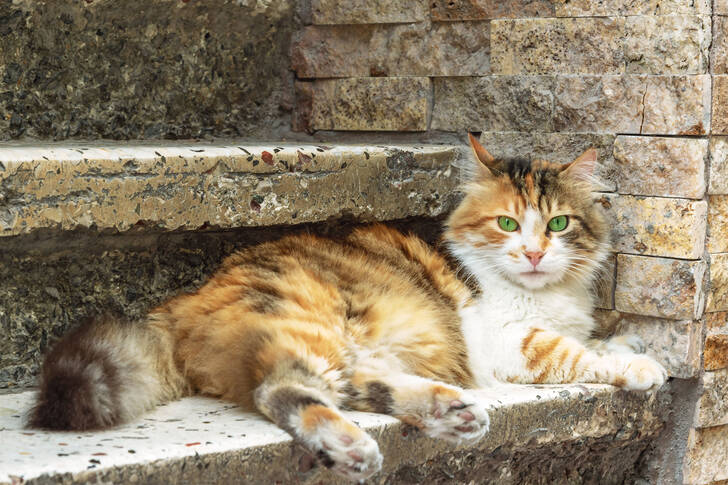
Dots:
{"x": 144, "y": 69}
{"x": 645, "y": 82}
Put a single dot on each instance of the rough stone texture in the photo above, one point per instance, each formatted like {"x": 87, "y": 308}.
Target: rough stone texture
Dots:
{"x": 50, "y": 282}
{"x": 140, "y": 69}
{"x": 677, "y": 105}
{"x": 720, "y": 7}
{"x": 718, "y": 166}
{"x": 539, "y": 434}
{"x": 556, "y": 147}
{"x": 675, "y": 44}
{"x": 713, "y": 403}
{"x": 422, "y": 49}
{"x": 496, "y": 103}
{"x": 442, "y": 10}
{"x": 558, "y": 46}
{"x": 718, "y": 224}
{"x": 367, "y": 12}
{"x": 577, "y": 8}
{"x": 667, "y": 167}
{"x": 719, "y": 49}
{"x": 376, "y": 104}
{"x": 657, "y": 226}
{"x": 675, "y": 344}
{"x": 720, "y": 105}
{"x": 599, "y": 104}
{"x": 716, "y": 322}
{"x": 659, "y": 287}
{"x": 706, "y": 460}
{"x": 718, "y": 295}
{"x": 188, "y": 187}
{"x": 715, "y": 355}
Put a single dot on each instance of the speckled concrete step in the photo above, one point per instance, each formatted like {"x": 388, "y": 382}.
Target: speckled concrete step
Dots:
{"x": 536, "y": 431}
{"x": 192, "y": 185}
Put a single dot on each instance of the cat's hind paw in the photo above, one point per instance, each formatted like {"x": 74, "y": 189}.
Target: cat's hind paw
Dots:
{"x": 354, "y": 457}
{"x": 457, "y": 418}
{"x": 641, "y": 373}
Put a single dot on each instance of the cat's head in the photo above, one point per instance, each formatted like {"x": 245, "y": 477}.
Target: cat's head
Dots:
{"x": 534, "y": 223}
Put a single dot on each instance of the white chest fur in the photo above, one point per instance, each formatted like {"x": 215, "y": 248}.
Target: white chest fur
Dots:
{"x": 495, "y": 325}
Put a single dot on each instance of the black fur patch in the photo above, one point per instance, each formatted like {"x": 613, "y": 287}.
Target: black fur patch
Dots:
{"x": 379, "y": 397}
{"x": 68, "y": 399}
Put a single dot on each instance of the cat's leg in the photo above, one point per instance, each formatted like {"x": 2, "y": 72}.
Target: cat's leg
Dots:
{"x": 441, "y": 410}
{"x": 618, "y": 344}
{"x": 302, "y": 403}
{"x": 552, "y": 358}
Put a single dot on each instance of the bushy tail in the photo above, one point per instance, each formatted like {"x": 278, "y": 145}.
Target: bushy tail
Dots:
{"x": 105, "y": 373}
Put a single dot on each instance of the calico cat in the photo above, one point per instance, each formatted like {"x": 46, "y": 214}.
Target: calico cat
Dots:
{"x": 303, "y": 327}
{"x": 532, "y": 237}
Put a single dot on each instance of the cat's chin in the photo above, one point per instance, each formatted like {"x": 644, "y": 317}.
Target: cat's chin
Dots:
{"x": 534, "y": 280}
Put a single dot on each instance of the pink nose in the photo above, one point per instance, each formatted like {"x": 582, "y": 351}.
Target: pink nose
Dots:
{"x": 534, "y": 257}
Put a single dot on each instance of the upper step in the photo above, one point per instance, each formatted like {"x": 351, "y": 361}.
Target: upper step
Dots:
{"x": 191, "y": 185}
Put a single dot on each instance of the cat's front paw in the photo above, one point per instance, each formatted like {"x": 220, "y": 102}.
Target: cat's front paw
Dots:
{"x": 641, "y": 373}
{"x": 457, "y": 418}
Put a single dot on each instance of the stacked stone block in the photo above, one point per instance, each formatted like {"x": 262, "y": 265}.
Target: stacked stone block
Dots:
{"x": 638, "y": 80}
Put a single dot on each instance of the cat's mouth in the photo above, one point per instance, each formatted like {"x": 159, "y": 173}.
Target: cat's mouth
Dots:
{"x": 533, "y": 273}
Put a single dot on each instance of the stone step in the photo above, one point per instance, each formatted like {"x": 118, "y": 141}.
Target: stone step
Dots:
{"x": 560, "y": 430}
{"x": 186, "y": 186}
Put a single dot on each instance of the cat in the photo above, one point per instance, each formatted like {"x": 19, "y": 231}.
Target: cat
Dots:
{"x": 533, "y": 238}
{"x": 302, "y": 327}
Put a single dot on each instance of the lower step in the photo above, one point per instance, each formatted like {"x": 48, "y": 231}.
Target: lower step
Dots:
{"x": 538, "y": 434}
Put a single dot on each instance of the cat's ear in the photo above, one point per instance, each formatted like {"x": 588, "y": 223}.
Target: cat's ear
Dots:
{"x": 481, "y": 154}
{"x": 583, "y": 167}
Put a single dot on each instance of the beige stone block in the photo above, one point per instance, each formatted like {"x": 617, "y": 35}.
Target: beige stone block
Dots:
{"x": 332, "y": 51}
{"x": 674, "y": 44}
{"x": 588, "y": 8}
{"x": 421, "y": 49}
{"x": 718, "y": 295}
{"x": 718, "y": 166}
{"x": 674, "y": 344}
{"x": 715, "y": 353}
{"x": 445, "y": 10}
{"x": 599, "y": 104}
{"x": 720, "y": 105}
{"x": 719, "y": 49}
{"x": 718, "y": 224}
{"x": 716, "y": 322}
{"x": 556, "y": 147}
{"x": 677, "y": 105}
{"x": 557, "y": 46}
{"x": 660, "y": 287}
{"x": 494, "y": 103}
{"x": 370, "y": 104}
{"x": 657, "y": 226}
{"x": 668, "y": 167}
{"x": 712, "y": 406}
{"x": 177, "y": 186}
{"x": 720, "y": 7}
{"x": 706, "y": 459}
{"x": 367, "y": 12}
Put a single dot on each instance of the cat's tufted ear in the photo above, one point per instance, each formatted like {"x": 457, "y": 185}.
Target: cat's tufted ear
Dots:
{"x": 583, "y": 167}
{"x": 481, "y": 154}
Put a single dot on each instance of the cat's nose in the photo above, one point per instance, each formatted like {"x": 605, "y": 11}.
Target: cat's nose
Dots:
{"x": 534, "y": 257}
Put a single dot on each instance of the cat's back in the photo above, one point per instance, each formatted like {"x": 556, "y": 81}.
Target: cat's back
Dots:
{"x": 375, "y": 289}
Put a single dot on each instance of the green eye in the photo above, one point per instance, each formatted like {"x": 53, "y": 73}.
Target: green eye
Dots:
{"x": 558, "y": 223}
{"x": 507, "y": 224}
